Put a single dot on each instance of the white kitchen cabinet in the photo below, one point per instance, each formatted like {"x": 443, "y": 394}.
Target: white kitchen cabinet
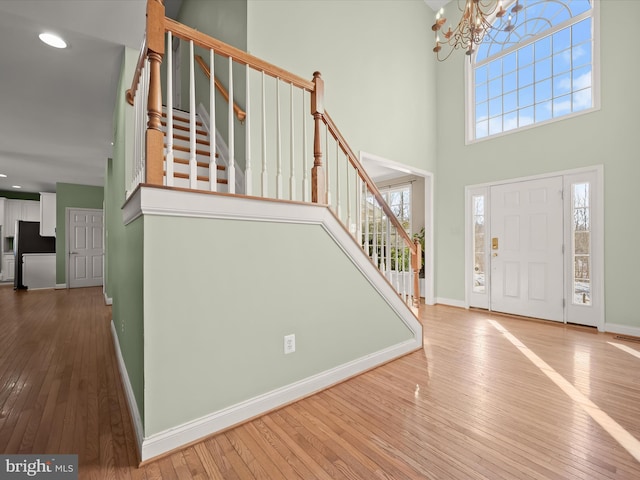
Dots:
{"x": 2, "y": 200}
{"x": 12, "y": 212}
{"x": 8, "y": 266}
{"x": 39, "y": 270}
{"x": 28, "y": 210}
{"x": 47, "y": 214}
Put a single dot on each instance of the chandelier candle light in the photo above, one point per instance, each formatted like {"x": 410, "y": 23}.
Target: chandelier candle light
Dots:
{"x": 475, "y": 23}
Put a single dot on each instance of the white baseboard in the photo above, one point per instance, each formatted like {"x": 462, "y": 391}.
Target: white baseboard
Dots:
{"x": 61, "y": 286}
{"x": 107, "y": 300}
{"x": 164, "y": 442}
{"x": 622, "y": 329}
{"x": 451, "y": 302}
{"x": 128, "y": 390}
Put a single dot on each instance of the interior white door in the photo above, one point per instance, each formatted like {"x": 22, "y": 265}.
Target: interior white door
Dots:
{"x": 527, "y": 274}
{"x": 84, "y": 233}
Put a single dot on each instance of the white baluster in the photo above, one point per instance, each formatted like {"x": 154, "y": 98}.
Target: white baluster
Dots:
{"x": 362, "y": 210}
{"x": 248, "y": 174}
{"x": 213, "y": 169}
{"x": 265, "y": 177}
{"x": 292, "y": 176}
{"x": 388, "y": 251}
{"x": 137, "y": 139}
{"x": 305, "y": 164}
{"x": 278, "y": 143}
{"x": 382, "y": 239}
{"x": 397, "y": 265}
{"x": 169, "y": 129}
{"x": 338, "y": 196}
{"x": 142, "y": 166}
{"x": 326, "y": 167}
{"x": 231, "y": 177}
{"x": 348, "y": 184}
{"x": 375, "y": 236}
{"x": 193, "y": 162}
{"x": 404, "y": 272}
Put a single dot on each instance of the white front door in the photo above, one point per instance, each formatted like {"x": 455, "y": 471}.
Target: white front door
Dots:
{"x": 526, "y": 248}
{"x": 84, "y": 234}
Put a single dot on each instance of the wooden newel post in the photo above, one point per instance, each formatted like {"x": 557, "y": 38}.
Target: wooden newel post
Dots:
{"x": 416, "y": 265}
{"x": 318, "y": 186}
{"x": 155, "y": 52}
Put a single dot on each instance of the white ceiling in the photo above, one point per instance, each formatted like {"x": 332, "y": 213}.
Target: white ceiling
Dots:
{"x": 436, "y": 4}
{"x": 57, "y": 105}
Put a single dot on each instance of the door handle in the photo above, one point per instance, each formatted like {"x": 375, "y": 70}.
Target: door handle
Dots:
{"x": 494, "y": 243}
{"x": 73, "y": 253}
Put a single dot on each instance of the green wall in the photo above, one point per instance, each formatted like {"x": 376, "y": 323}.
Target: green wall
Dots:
{"x": 123, "y": 252}
{"x": 220, "y": 295}
{"x": 375, "y": 58}
{"x": 70, "y": 195}
{"x": 606, "y": 137}
{"x": 376, "y": 63}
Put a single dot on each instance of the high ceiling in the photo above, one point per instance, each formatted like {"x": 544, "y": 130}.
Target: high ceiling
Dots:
{"x": 436, "y": 4}
{"x": 57, "y": 105}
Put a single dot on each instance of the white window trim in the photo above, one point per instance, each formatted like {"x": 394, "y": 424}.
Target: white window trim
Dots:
{"x": 470, "y": 100}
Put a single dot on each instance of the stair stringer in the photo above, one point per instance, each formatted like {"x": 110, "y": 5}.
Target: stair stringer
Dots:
{"x": 151, "y": 201}
{"x": 221, "y": 147}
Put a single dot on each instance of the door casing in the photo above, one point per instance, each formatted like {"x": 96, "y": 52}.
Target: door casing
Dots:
{"x": 593, "y": 315}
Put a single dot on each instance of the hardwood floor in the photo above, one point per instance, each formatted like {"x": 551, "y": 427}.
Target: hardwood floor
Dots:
{"x": 470, "y": 405}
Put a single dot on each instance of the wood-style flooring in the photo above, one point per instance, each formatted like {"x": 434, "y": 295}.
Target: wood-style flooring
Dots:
{"x": 469, "y": 405}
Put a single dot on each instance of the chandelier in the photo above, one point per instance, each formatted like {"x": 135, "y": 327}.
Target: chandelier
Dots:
{"x": 474, "y": 26}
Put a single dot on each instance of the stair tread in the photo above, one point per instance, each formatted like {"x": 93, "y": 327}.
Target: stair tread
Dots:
{"x": 201, "y": 178}
{"x": 185, "y": 129}
{"x": 182, "y": 161}
{"x": 182, "y": 118}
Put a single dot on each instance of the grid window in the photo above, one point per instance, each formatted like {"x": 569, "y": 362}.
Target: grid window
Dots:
{"x": 540, "y": 71}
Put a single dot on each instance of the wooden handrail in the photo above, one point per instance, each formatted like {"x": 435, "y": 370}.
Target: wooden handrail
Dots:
{"x": 187, "y": 33}
{"x": 240, "y": 114}
{"x": 346, "y": 149}
{"x": 131, "y": 93}
{"x": 153, "y": 51}
{"x": 413, "y": 245}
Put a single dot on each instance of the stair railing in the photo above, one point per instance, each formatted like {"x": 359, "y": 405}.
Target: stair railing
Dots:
{"x": 240, "y": 114}
{"x": 341, "y": 182}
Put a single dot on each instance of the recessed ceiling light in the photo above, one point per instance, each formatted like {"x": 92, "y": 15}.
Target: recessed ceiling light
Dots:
{"x": 16, "y": 186}
{"x": 53, "y": 40}
{"x": 2, "y": 175}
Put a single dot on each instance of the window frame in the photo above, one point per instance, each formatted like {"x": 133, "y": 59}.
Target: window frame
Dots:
{"x": 470, "y": 101}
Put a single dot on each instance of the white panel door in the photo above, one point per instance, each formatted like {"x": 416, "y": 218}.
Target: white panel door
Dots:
{"x": 84, "y": 233}
{"x": 527, "y": 275}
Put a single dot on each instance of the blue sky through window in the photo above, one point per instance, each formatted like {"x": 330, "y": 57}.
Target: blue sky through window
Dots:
{"x": 548, "y": 77}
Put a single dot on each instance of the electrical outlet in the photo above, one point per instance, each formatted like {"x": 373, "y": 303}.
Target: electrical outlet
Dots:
{"x": 289, "y": 343}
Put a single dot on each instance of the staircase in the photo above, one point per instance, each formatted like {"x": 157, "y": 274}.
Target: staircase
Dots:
{"x": 181, "y": 154}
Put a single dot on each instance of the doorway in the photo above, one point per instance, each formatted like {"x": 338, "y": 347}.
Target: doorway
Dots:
{"x": 85, "y": 247}
{"x": 386, "y": 173}
{"x": 534, "y": 247}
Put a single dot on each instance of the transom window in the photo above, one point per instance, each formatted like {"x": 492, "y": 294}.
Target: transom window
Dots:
{"x": 538, "y": 71}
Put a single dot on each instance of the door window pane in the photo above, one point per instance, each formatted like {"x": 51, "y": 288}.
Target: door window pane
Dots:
{"x": 479, "y": 254}
{"x": 581, "y": 239}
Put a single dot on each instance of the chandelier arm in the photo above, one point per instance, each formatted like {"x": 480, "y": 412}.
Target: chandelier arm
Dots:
{"x": 474, "y": 27}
